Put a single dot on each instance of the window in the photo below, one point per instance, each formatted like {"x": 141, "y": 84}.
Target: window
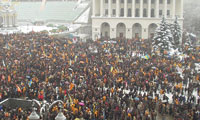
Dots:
{"x": 152, "y": 1}
{"x": 144, "y": 12}
{"x": 113, "y": 1}
{"x": 106, "y": 12}
{"x": 160, "y": 12}
{"x": 168, "y": 1}
{"x": 137, "y": 12}
{"x": 122, "y": 1}
{"x": 145, "y": 1}
{"x": 161, "y": 1}
{"x": 114, "y": 12}
{"x": 137, "y": 1}
{"x": 152, "y": 13}
{"x": 168, "y": 12}
{"x": 122, "y": 12}
{"x": 129, "y": 1}
{"x": 106, "y": 1}
{"x": 129, "y": 12}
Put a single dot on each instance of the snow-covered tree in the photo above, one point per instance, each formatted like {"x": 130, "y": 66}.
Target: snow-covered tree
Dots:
{"x": 163, "y": 39}
{"x": 176, "y": 32}
{"x": 188, "y": 43}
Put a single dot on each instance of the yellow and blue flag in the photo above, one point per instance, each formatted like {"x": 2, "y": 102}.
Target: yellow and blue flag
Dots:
{"x": 147, "y": 56}
{"x": 30, "y": 83}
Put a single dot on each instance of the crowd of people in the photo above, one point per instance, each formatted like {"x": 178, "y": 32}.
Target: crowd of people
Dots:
{"x": 98, "y": 80}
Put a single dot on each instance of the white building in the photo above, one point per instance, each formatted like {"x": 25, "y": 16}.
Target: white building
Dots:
{"x": 7, "y": 15}
{"x": 132, "y": 18}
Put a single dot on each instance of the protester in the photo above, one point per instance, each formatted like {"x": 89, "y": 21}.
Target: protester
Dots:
{"x": 119, "y": 79}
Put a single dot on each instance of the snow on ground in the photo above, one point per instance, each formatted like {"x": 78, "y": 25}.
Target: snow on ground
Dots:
{"x": 197, "y": 67}
{"x": 9, "y": 31}
{"x": 195, "y": 93}
{"x": 73, "y": 27}
{"x": 174, "y": 52}
{"x": 27, "y": 29}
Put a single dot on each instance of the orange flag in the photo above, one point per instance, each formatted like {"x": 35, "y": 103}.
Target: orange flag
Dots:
{"x": 9, "y": 78}
{"x": 86, "y": 60}
{"x": 197, "y": 77}
{"x": 112, "y": 90}
{"x": 101, "y": 72}
{"x": 193, "y": 57}
{"x": 18, "y": 89}
{"x": 71, "y": 86}
{"x": 69, "y": 42}
{"x": 50, "y": 56}
{"x": 63, "y": 56}
{"x": 104, "y": 98}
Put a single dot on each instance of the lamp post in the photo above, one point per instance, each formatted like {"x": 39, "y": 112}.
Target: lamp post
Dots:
{"x": 34, "y": 115}
{"x": 60, "y": 115}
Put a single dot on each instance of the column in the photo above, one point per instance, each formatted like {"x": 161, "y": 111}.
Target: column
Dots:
{"x": 173, "y": 9}
{"x": 141, "y": 8}
{"x": 14, "y": 20}
{"x": 157, "y": 9}
{"x": 109, "y": 8}
{"x": 3, "y": 21}
{"x": 165, "y": 8}
{"x": 112, "y": 32}
{"x": 125, "y": 8}
{"x": 102, "y": 9}
{"x": 133, "y": 8}
{"x": 117, "y": 8}
{"x": 7, "y": 19}
{"x": 93, "y": 8}
{"x": 181, "y": 13}
{"x": 11, "y": 22}
{"x": 149, "y": 8}
{"x": 129, "y": 32}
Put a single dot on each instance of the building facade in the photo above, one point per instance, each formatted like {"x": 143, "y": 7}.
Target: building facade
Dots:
{"x": 132, "y": 18}
{"x": 8, "y": 16}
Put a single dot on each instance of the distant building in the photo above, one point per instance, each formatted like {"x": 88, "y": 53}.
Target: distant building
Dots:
{"x": 132, "y": 18}
{"x": 7, "y": 15}
{"x": 54, "y": 12}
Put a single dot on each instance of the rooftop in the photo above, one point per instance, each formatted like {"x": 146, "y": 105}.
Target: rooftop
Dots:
{"x": 53, "y": 11}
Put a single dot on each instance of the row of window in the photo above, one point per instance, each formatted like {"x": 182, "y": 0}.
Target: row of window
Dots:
{"x": 137, "y": 12}
{"x": 138, "y": 1}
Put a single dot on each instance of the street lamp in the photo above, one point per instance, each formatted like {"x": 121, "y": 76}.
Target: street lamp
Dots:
{"x": 60, "y": 115}
{"x": 34, "y": 115}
